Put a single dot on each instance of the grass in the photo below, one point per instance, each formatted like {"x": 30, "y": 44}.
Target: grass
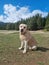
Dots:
{"x": 10, "y": 55}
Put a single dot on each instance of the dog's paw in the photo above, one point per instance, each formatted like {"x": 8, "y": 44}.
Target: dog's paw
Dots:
{"x": 34, "y": 47}
{"x": 30, "y": 48}
{"x": 24, "y": 51}
{"x": 20, "y": 48}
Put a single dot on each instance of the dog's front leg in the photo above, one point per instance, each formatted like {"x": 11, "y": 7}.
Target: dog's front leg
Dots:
{"x": 25, "y": 46}
{"x": 21, "y": 45}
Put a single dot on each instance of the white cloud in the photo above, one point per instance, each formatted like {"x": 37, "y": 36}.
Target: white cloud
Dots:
{"x": 14, "y": 14}
{"x": 43, "y": 14}
{"x": 1, "y": 17}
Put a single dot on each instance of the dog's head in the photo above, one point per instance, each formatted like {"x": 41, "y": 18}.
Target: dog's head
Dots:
{"x": 23, "y": 28}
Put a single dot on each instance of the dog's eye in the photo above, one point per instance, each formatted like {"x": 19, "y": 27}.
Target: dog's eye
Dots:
{"x": 24, "y": 27}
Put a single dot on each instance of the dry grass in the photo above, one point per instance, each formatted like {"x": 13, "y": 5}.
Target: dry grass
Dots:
{"x": 10, "y": 55}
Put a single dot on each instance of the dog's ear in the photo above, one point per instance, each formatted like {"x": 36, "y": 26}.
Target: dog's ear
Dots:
{"x": 27, "y": 27}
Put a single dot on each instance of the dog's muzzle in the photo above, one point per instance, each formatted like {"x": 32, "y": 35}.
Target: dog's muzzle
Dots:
{"x": 21, "y": 30}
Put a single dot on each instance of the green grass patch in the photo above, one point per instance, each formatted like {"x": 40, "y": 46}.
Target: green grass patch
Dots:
{"x": 10, "y": 55}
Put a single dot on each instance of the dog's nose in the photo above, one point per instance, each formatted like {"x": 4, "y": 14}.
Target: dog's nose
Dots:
{"x": 21, "y": 30}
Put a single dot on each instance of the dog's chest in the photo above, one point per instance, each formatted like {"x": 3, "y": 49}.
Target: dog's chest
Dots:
{"x": 25, "y": 37}
{"x": 22, "y": 37}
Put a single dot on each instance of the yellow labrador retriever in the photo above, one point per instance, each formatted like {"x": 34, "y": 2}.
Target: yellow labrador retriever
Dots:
{"x": 27, "y": 41}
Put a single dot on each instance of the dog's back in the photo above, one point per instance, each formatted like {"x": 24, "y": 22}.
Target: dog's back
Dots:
{"x": 31, "y": 39}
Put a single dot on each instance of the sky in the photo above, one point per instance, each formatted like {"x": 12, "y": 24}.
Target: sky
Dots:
{"x": 15, "y": 10}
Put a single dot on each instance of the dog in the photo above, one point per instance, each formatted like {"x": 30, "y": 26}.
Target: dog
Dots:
{"x": 27, "y": 41}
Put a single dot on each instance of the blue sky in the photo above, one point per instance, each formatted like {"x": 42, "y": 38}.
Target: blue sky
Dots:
{"x": 42, "y": 5}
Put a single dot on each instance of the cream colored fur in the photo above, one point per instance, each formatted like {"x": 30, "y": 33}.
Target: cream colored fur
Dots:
{"x": 27, "y": 41}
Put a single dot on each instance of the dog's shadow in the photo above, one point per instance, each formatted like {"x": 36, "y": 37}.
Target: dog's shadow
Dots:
{"x": 42, "y": 49}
